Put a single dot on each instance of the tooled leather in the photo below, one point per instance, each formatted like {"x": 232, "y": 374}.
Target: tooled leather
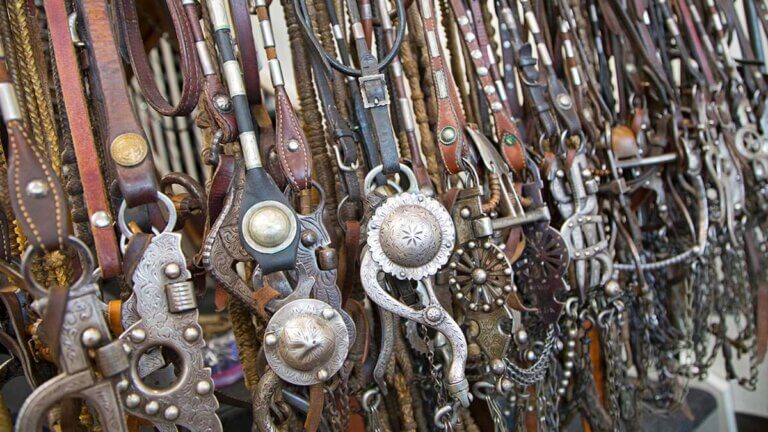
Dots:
{"x": 128, "y": 23}
{"x": 112, "y": 103}
{"x": 104, "y": 238}
{"x": 296, "y": 165}
{"x": 43, "y": 220}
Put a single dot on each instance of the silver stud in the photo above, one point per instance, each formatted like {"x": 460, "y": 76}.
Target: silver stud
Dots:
{"x": 172, "y": 271}
{"x": 203, "y": 387}
{"x": 465, "y": 213}
{"x": 152, "y": 408}
{"x": 329, "y": 313}
{"x": 132, "y": 400}
{"x": 191, "y": 334}
{"x": 37, "y": 189}
{"x": 222, "y": 102}
{"x": 91, "y": 337}
{"x": 270, "y": 339}
{"x": 122, "y": 385}
{"x": 171, "y": 413}
{"x": 101, "y": 219}
{"x": 322, "y": 374}
{"x": 292, "y": 146}
{"x": 138, "y": 335}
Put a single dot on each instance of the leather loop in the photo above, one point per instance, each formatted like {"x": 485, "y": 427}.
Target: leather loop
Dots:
{"x": 292, "y": 148}
{"x": 128, "y": 23}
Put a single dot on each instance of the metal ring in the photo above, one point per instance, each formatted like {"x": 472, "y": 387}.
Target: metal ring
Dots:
{"x": 483, "y": 390}
{"x": 441, "y": 414}
{"x": 369, "y": 405}
{"x": 123, "y": 225}
{"x": 87, "y": 263}
{"x": 412, "y": 183}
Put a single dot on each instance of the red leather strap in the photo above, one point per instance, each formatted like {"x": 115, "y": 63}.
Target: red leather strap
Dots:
{"x": 96, "y": 200}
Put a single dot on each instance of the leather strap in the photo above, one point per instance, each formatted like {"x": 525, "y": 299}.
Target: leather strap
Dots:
{"x": 315, "y": 413}
{"x": 246, "y": 45}
{"x": 130, "y": 32}
{"x": 351, "y": 255}
{"x": 83, "y": 140}
{"x": 121, "y": 134}
{"x": 290, "y": 143}
{"x": 506, "y": 130}
{"x": 214, "y": 93}
{"x": 450, "y": 120}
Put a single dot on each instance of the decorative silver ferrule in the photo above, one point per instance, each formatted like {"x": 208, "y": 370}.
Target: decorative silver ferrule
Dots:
{"x": 206, "y": 62}
{"x": 234, "y": 77}
{"x": 250, "y": 147}
{"x": 276, "y": 73}
{"x": 9, "y": 105}
{"x": 219, "y": 15}
{"x": 266, "y": 33}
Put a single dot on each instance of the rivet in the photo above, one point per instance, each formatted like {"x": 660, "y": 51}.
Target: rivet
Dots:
{"x": 448, "y": 135}
{"x": 270, "y": 339}
{"x": 91, "y": 337}
{"x": 322, "y": 374}
{"x": 37, "y": 188}
{"x": 329, "y": 313}
{"x": 191, "y": 334}
{"x": 171, "y": 413}
{"x": 203, "y": 387}
{"x": 222, "y": 102}
{"x": 292, "y": 146}
{"x": 152, "y": 408}
{"x": 138, "y": 335}
{"x": 172, "y": 271}
{"x": 101, "y": 219}
{"x": 132, "y": 400}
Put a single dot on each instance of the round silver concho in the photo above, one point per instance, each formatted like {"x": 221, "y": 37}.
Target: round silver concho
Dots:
{"x": 306, "y": 342}
{"x": 411, "y": 236}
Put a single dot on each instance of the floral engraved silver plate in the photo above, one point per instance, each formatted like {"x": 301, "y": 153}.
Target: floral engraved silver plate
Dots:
{"x": 306, "y": 342}
{"x": 411, "y": 236}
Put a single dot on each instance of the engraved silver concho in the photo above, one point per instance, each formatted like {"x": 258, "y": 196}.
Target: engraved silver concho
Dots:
{"x": 306, "y": 342}
{"x": 411, "y": 236}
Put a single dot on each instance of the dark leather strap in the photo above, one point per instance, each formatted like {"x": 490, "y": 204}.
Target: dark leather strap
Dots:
{"x": 37, "y": 197}
{"x": 130, "y": 32}
{"x": 121, "y": 134}
{"x": 83, "y": 140}
{"x": 247, "y": 49}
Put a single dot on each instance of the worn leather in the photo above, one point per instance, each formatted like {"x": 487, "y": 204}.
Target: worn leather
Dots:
{"x": 83, "y": 140}
{"x": 296, "y": 165}
{"x": 109, "y": 96}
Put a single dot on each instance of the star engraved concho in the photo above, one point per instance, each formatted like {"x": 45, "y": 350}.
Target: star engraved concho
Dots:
{"x": 306, "y": 342}
{"x": 411, "y": 236}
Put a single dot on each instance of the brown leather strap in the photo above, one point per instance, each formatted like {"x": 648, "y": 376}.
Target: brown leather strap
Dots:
{"x": 351, "y": 254}
{"x": 450, "y": 120}
{"x": 128, "y": 23}
{"x": 215, "y": 94}
{"x": 121, "y": 134}
{"x": 134, "y": 251}
{"x": 247, "y": 49}
{"x": 84, "y": 143}
{"x": 315, "y": 413}
{"x": 37, "y": 197}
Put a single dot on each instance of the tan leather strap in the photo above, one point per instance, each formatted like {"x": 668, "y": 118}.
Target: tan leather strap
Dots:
{"x": 128, "y": 23}
{"x": 315, "y": 413}
{"x": 84, "y": 143}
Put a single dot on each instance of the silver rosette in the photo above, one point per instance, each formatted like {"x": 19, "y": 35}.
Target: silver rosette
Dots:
{"x": 411, "y": 236}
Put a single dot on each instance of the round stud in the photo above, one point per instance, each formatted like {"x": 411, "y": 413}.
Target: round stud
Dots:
{"x": 122, "y": 385}
{"x": 101, "y": 219}
{"x": 132, "y": 400}
{"x": 322, "y": 374}
{"x": 127, "y": 348}
{"x": 191, "y": 334}
{"x": 91, "y": 337}
{"x": 448, "y": 135}
{"x": 129, "y": 149}
{"x": 521, "y": 337}
{"x": 152, "y": 408}
{"x": 269, "y": 226}
{"x": 270, "y": 339}
{"x": 171, "y": 413}
{"x": 530, "y": 355}
{"x": 308, "y": 238}
{"x": 222, "y": 102}
{"x": 465, "y": 213}
{"x": 497, "y": 367}
{"x": 292, "y": 146}
{"x": 479, "y": 276}
{"x": 329, "y": 313}
{"x": 172, "y": 271}
{"x": 37, "y": 189}
{"x": 612, "y": 288}
{"x": 138, "y": 335}
{"x": 203, "y": 387}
